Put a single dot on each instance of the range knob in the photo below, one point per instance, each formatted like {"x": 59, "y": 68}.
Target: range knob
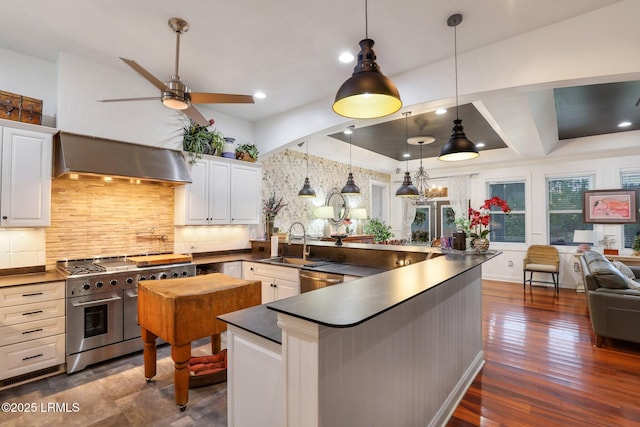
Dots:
{"x": 99, "y": 284}
{"x": 185, "y": 273}
{"x": 141, "y": 278}
{"x": 174, "y": 274}
{"x": 86, "y": 287}
{"x": 163, "y": 276}
{"x": 113, "y": 282}
{"x": 152, "y": 277}
{"x": 129, "y": 280}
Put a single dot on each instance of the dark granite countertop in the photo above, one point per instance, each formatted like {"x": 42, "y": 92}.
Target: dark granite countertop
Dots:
{"x": 258, "y": 320}
{"x": 355, "y": 302}
{"x": 345, "y": 269}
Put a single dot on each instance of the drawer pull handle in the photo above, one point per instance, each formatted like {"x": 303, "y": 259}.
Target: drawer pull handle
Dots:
{"x": 32, "y": 357}
{"x": 35, "y": 294}
{"x": 32, "y": 312}
{"x": 30, "y": 332}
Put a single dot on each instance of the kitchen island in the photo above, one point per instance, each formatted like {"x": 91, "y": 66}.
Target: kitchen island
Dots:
{"x": 396, "y": 348}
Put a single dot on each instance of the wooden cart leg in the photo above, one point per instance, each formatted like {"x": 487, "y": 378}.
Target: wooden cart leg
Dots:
{"x": 181, "y": 355}
{"x": 215, "y": 343}
{"x": 149, "y": 339}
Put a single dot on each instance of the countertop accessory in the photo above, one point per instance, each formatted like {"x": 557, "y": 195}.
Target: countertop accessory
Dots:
{"x": 339, "y": 238}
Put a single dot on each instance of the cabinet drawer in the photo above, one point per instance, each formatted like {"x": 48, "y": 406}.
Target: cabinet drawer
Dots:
{"x": 286, "y": 273}
{"x": 30, "y": 312}
{"x": 24, "y": 357}
{"x": 31, "y": 330}
{"x": 15, "y": 295}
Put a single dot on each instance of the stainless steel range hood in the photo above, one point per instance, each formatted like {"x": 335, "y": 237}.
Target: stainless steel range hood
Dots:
{"x": 80, "y": 154}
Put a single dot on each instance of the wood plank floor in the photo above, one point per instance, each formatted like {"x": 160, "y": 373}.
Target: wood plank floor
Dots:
{"x": 541, "y": 370}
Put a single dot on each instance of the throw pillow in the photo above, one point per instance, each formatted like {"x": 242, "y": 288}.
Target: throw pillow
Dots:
{"x": 624, "y": 269}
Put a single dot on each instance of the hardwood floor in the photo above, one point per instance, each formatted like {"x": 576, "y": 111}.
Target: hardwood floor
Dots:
{"x": 541, "y": 369}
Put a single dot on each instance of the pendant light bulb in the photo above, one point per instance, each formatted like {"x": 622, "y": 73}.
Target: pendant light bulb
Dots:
{"x": 307, "y": 191}
{"x": 367, "y": 94}
{"x": 350, "y": 187}
{"x": 458, "y": 147}
{"x": 407, "y": 189}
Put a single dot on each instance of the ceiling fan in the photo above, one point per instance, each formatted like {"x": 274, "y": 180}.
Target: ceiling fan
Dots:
{"x": 175, "y": 94}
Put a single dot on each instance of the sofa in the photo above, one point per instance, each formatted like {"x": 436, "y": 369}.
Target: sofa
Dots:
{"x": 613, "y": 297}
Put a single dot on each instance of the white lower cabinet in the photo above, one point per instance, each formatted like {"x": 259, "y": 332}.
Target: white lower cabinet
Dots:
{"x": 233, "y": 269}
{"x": 277, "y": 282}
{"x": 32, "y": 331}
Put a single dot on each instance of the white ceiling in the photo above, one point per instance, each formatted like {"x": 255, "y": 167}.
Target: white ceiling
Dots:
{"x": 287, "y": 48}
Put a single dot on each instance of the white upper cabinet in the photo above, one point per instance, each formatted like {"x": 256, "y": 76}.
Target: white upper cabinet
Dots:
{"x": 25, "y": 186}
{"x": 222, "y": 192}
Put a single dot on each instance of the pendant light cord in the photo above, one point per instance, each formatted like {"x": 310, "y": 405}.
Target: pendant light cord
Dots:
{"x": 366, "y": 20}
{"x": 406, "y": 134}
{"x": 350, "y": 151}
{"x": 455, "y": 60}
{"x": 307, "y": 157}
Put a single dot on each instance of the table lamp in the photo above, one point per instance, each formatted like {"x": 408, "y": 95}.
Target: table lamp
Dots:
{"x": 584, "y": 238}
{"x": 359, "y": 214}
{"x": 325, "y": 212}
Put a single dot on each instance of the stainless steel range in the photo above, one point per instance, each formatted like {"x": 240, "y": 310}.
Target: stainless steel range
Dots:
{"x": 102, "y": 306}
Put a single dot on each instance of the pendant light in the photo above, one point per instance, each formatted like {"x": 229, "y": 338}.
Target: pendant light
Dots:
{"x": 458, "y": 147}
{"x": 367, "y": 93}
{"x": 307, "y": 191}
{"x": 350, "y": 187}
{"x": 407, "y": 189}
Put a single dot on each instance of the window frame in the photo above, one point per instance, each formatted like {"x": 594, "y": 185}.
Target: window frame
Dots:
{"x": 584, "y": 226}
{"x": 522, "y": 212}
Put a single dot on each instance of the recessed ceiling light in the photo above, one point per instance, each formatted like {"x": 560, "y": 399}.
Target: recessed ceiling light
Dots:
{"x": 479, "y": 144}
{"x": 441, "y": 111}
{"x": 406, "y": 155}
{"x": 624, "y": 124}
{"x": 260, "y": 95}
{"x": 346, "y": 57}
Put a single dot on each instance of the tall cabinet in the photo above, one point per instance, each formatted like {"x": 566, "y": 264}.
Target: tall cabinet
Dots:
{"x": 223, "y": 191}
{"x": 25, "y": 174}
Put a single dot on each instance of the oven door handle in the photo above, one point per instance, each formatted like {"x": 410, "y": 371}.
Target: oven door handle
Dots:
{"x": 131, "y": 293}
{"x": 97, "y": 301}
{"x": 320, "y": 279}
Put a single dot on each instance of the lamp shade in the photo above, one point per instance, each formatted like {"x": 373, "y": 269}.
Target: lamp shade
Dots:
{"x": 358, "y": 213}
{"x": 306, "y": 190}
{"x": 407, "y": 189}
{"x": 324, "y": 212}
{"x": 350, "y": 187}
{"x": 458, "y": 147}
{"x": 367, "y": 93}
{"x": 584, "y": 236}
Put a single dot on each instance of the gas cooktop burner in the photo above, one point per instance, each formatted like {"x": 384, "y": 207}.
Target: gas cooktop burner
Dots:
{"x": 83, "y": 267}
{"x": 75, "y": 270}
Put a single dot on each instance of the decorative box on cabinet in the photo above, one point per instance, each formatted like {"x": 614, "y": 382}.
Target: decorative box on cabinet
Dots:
{"x": 223, "y": 191}
{"x": 32, "y": 332}
{"x": 25, "y": 186}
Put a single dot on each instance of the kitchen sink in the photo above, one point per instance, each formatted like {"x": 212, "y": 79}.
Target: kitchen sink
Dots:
{"x": 289, "y": 261}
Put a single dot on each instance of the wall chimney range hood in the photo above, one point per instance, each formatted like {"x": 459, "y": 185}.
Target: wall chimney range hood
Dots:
{"x": 88, "y": 155}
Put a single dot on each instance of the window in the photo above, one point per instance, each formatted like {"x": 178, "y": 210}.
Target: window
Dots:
{"x": 421, "y": 225}
{"x": 508, "y": 228}
{"x": 564, "y": 204}
{"x": 630, "y": 180}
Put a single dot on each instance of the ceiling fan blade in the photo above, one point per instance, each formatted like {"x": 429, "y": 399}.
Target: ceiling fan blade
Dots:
{"x": 220, "y": 98}
{"x": 195, "y": 115}
{"x": 144, "y": 73}
{"x": 148, "y": 98}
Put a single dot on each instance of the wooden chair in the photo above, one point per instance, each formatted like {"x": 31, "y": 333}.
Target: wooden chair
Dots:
{"x": 541, "y": 259}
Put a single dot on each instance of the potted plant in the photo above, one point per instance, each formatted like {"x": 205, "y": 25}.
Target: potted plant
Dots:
{"x": 636, "y": 245}
{"x": 247, "y": 152}
{"x": 381, "y": 232}
{"x": 198, "y": 140}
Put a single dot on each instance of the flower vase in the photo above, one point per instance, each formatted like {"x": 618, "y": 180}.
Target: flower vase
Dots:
{"x": 481, "y": 245}
{"x": 269, "y": 228}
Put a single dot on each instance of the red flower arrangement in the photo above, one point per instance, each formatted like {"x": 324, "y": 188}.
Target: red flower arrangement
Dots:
{"x": 481, "y": 218}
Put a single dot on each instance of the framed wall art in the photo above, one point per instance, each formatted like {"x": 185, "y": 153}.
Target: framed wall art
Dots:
{"x": 609, "y": 206}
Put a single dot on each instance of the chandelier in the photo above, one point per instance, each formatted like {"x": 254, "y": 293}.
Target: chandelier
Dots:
{"x": 421, "y": 178}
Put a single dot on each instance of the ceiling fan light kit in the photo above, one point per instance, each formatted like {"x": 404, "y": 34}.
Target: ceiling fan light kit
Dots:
{"x": 368, "y": 93}
{"x": 175, "y": 94}
{"x": 459, "y": 147}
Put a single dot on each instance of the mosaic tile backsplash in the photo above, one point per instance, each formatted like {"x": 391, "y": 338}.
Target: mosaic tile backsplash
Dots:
{"x": 284, "y": 173}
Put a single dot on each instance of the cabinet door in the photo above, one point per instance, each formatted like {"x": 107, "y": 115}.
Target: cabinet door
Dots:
{"x": 194, "y": 197}
{"x": 219, "y": 176}
{"x": 247, "y": 270}
{"x": 233, "y": 269}
{"x": 267, "y": 288}
{"x": 286, "y": 288}
{"x": 25, "y": 187}
{"x": 245, "y": 194}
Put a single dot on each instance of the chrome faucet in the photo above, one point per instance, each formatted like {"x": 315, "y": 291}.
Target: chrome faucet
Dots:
{"x": 305, "y": 253}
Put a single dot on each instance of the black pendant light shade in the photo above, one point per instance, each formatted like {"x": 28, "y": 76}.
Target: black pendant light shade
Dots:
{"x": 458, "y": 147}
{"x": 407, "y": 189}
{"x": 350, "y": 187}
{"x": 367, "y": 93}
{"x": 306, "y": 190}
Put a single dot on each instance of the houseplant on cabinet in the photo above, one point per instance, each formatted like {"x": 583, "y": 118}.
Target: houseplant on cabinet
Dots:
{"x": 198, "y": 140}
{"x": 247, "y": 152}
